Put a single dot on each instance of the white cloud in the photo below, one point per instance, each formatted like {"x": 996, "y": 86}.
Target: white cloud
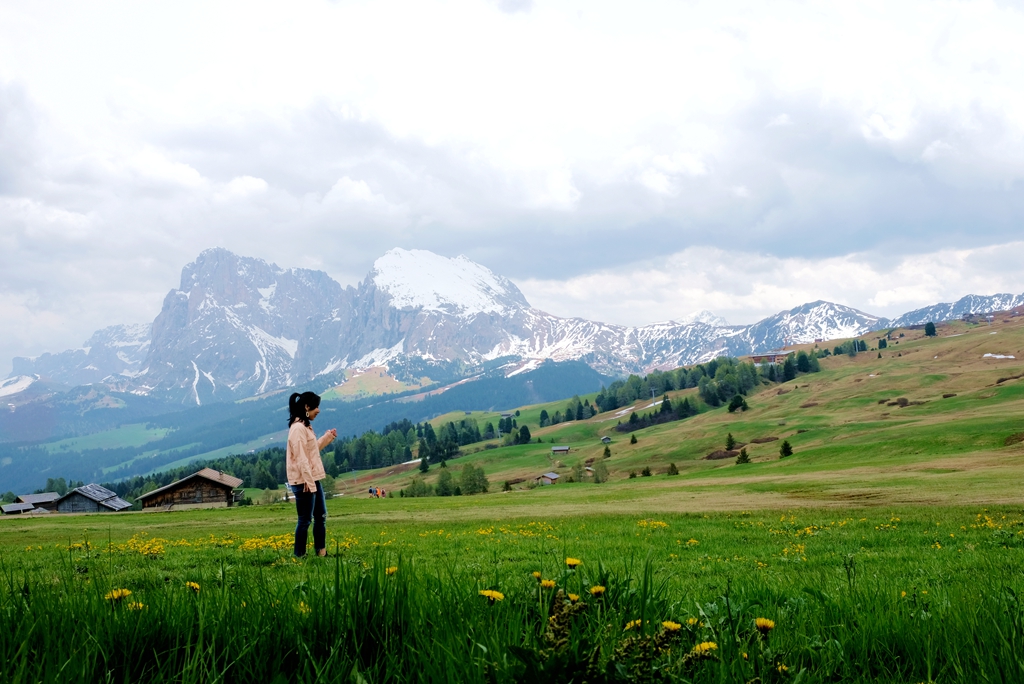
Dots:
{"x": 244, "y": 186}
{"x": 538, "y": 138}
{"x": 746, "y": 286}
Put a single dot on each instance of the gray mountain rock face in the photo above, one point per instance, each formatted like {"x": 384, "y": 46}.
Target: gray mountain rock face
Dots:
{"x": 232, "y": 328}
{"x": 238, "y": 327}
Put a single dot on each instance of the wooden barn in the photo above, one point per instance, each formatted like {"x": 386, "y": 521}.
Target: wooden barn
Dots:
{"x": 47, "y": 500}
{"x": 207, "y": 488}
{"x": 91, "y": 498}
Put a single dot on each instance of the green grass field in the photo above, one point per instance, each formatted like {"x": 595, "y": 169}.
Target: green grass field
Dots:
{"x": 888, "y": 548}
{"x": 132, "y": 435}
{"x": 905, "y": 594}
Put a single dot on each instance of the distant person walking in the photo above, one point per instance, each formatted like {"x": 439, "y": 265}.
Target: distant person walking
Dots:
{"x": 306, "y": 470}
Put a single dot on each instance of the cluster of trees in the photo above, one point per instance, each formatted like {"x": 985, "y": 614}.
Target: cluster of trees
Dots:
{"x": 574, "y": 410}
{"x": 792, "y": 367}
{"x": 851, "y": 348}
{"x": 395, "y": 444}
{"x": 718, "y": 381}
{"x": 510, "y": 431}
{"x": 665, "y": 413}
{"x": 471, "y": 480}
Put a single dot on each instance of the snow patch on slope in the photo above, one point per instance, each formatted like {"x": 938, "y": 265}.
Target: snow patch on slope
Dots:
{"x": 418, "y": 278}
{"x": 14, "y": 385}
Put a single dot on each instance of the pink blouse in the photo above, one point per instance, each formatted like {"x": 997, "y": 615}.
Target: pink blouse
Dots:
{"x": 302, "y": 456}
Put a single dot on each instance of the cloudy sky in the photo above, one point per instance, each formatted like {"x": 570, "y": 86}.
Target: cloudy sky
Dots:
{"x": 627, "y": 162}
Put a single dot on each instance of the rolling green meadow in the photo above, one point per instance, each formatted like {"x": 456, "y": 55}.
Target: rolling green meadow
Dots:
{"x": 888, "y": 548}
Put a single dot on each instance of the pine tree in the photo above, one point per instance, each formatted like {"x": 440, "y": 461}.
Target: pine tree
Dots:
{"x": 738, "y": 402}
{"x": 730, "y": 442}
{"x": 646, "y": 472}
{"x": 743, "y": 457}
{"x": 788, "y": 369}
{"x": 929, "y": 329}
{"x": 786, "y": 449}
{"x": 632, "y": 439}
{"x": 607, "y": 451}
{"x": 803, "y": 363}
{"x": 672, "y": 470}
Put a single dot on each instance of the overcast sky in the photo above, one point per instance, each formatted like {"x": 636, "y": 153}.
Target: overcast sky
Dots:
{"x": 626, "y": 162}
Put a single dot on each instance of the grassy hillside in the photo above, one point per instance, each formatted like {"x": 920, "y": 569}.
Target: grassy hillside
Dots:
{"x": 853, "y": 441}
{"x": 370, "y": 382}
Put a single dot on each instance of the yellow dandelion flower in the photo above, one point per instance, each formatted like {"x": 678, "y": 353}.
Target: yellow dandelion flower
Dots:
{"x": 547, "y": 584}
{"x": 671, "y": 626}
{"x": 573, "y": 562}
{"x": 194, "y": 586}
{"x": 117, "y": 594}
{"x": 782, "y": 669}
{"x": 135, "y": 605}
{"x": 574, "y": 597}
{"x": 303, "y": 608}
{"x": 492, "y": 595}
{"x": 764, "y": 625}
{"x": 705, "y": 649}
{"x": 632, "y": 624}
{"x": 903, "y": 594}
{"x": 536, "y": 575}
{"x": 597, "y": 590}
{"x": 392, "y": 570}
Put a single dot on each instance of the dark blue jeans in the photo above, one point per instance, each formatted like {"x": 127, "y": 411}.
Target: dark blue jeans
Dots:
{"x": 311, "y": 508}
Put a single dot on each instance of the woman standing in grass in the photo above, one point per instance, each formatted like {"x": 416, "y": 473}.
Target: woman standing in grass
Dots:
{"x": 306, "y": 470}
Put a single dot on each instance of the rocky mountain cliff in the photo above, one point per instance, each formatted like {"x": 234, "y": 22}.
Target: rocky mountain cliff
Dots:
{"x": 237, "y": 327}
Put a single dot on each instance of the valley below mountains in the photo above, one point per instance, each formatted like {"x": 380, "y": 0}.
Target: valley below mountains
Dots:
{"x": 239, "y": 327}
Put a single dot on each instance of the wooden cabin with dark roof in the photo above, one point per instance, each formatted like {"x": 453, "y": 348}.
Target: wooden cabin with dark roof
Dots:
{"x": 91, "y": 498}
{"x": 207, "y": 488}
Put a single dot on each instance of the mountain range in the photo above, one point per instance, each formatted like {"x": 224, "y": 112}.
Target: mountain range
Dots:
{"x": 238, "y": 327}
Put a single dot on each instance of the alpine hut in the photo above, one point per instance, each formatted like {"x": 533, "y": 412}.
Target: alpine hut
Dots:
{"x": 207, "y": 488}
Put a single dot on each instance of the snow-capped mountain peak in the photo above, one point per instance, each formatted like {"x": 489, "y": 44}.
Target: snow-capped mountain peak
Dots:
{"x": 417, "y": 278}
{"x": 707, "y": 317}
